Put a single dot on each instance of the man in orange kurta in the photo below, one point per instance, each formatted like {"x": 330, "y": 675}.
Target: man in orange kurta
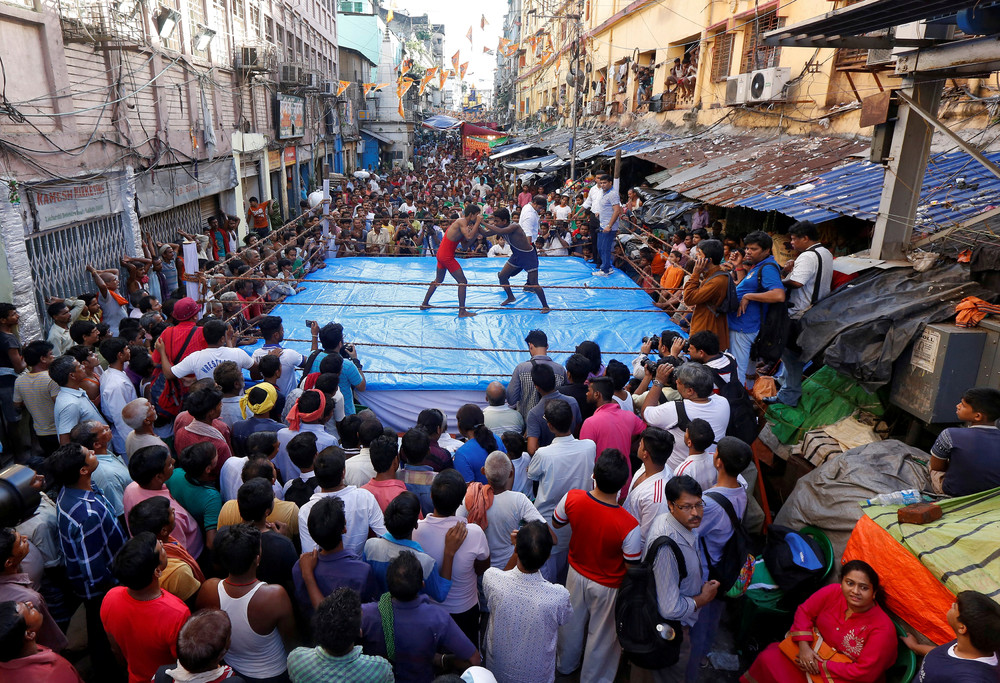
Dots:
{"x": 706, "y": 290}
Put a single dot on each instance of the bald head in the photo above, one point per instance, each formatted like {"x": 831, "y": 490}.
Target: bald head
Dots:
{"x": 496, "y": 394}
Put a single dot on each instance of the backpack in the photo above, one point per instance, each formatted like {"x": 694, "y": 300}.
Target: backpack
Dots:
{"x": 168, "y": 394}
{"x": 300, "y": 491}
{"x": 794, "y": 560}
{"x": 742, "y": 414}
{"x": 731, "y": 303}
{"x": 775, "y": 326}
{"x": 735, "y": 567}
{"x": 637, "y": 612}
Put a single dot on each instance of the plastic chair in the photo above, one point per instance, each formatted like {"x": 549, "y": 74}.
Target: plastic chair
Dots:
{"x": 763, "y": 605}
{"x": 904, "y": 669}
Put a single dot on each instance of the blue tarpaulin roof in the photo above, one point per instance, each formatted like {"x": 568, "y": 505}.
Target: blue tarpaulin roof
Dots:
{"x": 856, "y": 190}
{"x": 441, "y": 122}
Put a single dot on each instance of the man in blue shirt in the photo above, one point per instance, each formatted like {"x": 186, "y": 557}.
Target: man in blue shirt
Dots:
{"x": 72, "y": 406}
{"x": 421, "y": 629}
{"x": 351, "y": 378}
{"x": 89, "y": 536}
{"x": 761, "y": 286}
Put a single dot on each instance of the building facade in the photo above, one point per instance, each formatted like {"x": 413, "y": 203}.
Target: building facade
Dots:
{"x": 130, "y": 117}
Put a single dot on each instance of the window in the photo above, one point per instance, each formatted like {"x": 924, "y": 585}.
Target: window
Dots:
{"x": 254, "y": 26}
{"x": 722, "y": 56}
{"x": 352, "y": 7}
{"x": 756, "y": 55}
{"x": 239, "y": 10}
{"x": 268, "y": 29}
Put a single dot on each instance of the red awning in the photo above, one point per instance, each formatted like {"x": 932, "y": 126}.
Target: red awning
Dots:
{"x": 473, "y": 129}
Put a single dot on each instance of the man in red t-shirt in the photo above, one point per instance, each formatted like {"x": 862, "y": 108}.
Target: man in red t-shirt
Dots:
{"x": 257, "y": 217}
{"x": 605, "y": 537}
{"x": 142, "y": 620}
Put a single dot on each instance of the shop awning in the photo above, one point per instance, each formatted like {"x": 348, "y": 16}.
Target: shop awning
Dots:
{"x": 441, "y": 122}
{"x": 381, "y": 137}
{"x": 473, "y": 129}
{"x": 549, "y": 162}
{"x": 511, "y": 149}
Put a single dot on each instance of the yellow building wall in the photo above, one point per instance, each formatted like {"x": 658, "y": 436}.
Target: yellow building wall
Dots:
{"x": 824, "y": 99}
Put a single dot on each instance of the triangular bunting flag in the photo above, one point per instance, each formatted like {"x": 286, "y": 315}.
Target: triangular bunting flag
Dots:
{"x": 380, "y": 86}
{"x": 343, "y": 86}
{"x": 461, "y": 73}
{"x": 454, "y": 59}
{"x": 469, "y": 35}
{"x": 483, "y": 22}
{"x": 442, "y": 77}
{"x": 366, "y": 88}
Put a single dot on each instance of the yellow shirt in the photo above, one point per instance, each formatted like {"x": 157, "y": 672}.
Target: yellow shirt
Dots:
{"x": 284, "y": 511}
{"x": 178, "y": 579}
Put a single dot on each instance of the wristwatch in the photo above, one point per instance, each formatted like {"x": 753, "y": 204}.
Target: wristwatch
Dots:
{"x": 656, "y": 383}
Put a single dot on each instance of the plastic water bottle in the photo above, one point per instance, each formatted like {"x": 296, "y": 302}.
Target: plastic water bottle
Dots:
{"x": 904, "y": 497}
{"x": 665, "y": 631}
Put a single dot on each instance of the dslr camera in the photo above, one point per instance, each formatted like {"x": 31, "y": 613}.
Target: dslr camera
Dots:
{"x": 654, "y": 340}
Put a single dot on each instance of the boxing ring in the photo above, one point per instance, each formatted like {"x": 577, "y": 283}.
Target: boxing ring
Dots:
{"x": 416, "y": 359}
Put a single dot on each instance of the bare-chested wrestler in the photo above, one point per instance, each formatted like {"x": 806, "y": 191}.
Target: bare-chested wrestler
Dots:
{"x": 464, "y": 229}
{"x": 524, "y": 257}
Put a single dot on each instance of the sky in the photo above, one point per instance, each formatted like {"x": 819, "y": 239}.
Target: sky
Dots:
{"x": 458, "y": 16}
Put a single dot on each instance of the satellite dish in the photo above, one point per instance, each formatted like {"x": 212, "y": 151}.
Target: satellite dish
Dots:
{"x": 757, "y": 85}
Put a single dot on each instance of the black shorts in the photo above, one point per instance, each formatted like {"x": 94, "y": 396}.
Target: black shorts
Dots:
{"x": 523, "y": 260}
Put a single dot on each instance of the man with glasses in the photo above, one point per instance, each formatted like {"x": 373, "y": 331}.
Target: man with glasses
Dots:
{"x": 680, "y": 599}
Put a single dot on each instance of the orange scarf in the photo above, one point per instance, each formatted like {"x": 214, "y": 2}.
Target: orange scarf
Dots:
{"x": 295, "y": 418}
{"x": 122, "y": 301}
{"x": 478, "y": 499}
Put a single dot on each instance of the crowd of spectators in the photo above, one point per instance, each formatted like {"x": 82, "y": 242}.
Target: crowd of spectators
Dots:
{"x": 224, "y": 515}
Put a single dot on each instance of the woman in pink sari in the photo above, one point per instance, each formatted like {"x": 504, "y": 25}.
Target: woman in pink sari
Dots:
{"x": 848, "y": 619}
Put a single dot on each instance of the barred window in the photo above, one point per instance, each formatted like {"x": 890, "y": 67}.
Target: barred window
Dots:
{"x": 722, "y": 56}
{"x": 756, "y": 55}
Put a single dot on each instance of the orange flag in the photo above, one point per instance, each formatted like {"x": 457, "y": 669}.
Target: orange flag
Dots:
{"x": 402, "y": 87}
{"x": 343, "y": 86}
{"x": 454, "y": 59}
{"x": 487, "y": 51}
{"x": 389, "y": 16}
{"x": 380, "y": 86}
{"x": 401, "y": 114}
{"x": 404, "y": 67}
{"x": 469, "y": 35}
{"x": 442, "y": 77}
{"x": 428, "y": 77}
{"x": 483, "y": 22}
{"x": 461, "y": 73}
{"x": 366, "y": 88}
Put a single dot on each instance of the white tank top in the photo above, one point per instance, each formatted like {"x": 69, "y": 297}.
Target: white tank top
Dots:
{"x": 250, "y": 653}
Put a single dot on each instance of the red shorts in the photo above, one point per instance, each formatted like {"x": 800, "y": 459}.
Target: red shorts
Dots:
{"x": 450, "y": 264}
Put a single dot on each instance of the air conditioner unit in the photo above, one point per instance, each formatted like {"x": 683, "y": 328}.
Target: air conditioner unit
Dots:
{"x": 289, "y": 74}
{"x": 766, "y": 85}
{"x": 328, "y": 89}
{"x": 736, "y": 89}
{"x": 309, "y": 80}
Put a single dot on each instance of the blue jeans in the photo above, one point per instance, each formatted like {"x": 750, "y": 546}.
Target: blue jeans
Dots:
{"x": 791, "y": 382}
{"x": 606, "y": 249}
{"x": 703, "y": 636}
{"x": 739, "y": 346}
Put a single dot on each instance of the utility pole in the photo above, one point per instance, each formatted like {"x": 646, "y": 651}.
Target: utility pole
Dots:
{"x": 575, "y": 87}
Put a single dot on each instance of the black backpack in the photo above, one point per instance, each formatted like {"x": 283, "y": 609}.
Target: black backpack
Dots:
{"x": 775, "y": 327}
{"x": 734, "y": 553}
{"x": 795, "y": 561}
{"x": 300, "y": 491}
{"x": 731, "y": 303}
{"x": 637, "y": 612}
{"x": 742, "y": 414}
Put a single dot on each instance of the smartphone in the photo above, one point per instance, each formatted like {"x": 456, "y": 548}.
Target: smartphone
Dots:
{"x": 309, "y": 324}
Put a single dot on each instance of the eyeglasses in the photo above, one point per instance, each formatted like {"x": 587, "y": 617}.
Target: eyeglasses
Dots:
{"x": 689, "y": 508}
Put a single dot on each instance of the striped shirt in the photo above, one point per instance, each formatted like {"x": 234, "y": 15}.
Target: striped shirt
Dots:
{"x": 316, "y": 665}
{"x": 379, "y": 552}
{"x": 89, "y": 536}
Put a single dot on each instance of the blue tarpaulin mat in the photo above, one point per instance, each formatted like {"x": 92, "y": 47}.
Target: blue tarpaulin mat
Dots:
{"x": 473, "y": 357}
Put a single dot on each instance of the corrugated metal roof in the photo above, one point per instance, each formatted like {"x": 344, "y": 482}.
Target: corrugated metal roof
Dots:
{"x": 542, "y": 163}
{"x": 724, "y": 169}
{"x": 856, "y": 190}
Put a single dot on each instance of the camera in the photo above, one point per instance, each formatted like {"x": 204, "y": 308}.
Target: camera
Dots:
{"x": 309, "y": 324}
{"x": 654, "y": 341}
{"x": 653, "y": 365}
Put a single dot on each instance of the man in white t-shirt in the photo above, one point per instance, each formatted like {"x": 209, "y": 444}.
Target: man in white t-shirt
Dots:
{"x": 530, "y": 219}
{"x": 509, "y": 510}
{"x": 563, "y": 209}
{"x": 471, "y": 560}
{"x": 274, "y": 333}
{"x": 361, "y": 510}
{"x": 501, "y": 248}
{"x": 807, "y": 278}
{"x": 202, "y": 363}
{"x": 695, "y": 384}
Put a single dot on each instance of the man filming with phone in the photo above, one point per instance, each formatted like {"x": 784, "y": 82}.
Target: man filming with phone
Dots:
{"x": 330, "y": 340}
